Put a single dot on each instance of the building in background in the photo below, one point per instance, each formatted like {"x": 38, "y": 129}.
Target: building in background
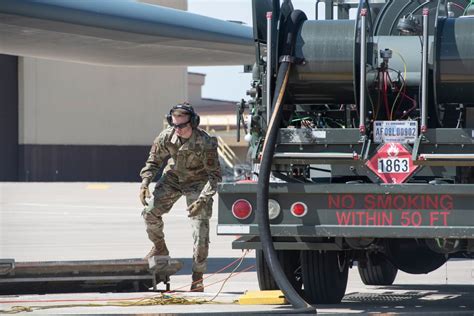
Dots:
{"x": 63, "y": 121}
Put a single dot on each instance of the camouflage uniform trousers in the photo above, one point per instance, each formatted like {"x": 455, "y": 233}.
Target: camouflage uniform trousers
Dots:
{"x": 167, "y": 191}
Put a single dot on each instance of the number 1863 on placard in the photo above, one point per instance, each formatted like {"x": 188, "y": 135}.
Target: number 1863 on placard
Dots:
{"x": 393, "y": 165}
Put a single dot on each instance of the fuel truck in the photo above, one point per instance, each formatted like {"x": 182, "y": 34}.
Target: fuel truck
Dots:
{"x": 361, "y": 139}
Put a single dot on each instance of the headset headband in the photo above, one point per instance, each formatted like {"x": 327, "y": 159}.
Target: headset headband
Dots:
{"x": 185, "y": 107}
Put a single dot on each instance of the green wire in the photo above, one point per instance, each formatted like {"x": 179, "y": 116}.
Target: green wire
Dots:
{"x": 335, "y": 122}
{"x": 300, "y": 119}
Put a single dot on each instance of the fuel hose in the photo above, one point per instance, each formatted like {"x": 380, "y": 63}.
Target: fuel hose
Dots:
{"x": 297, "y": 17}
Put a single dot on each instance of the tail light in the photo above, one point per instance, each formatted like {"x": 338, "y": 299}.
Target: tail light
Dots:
{"x": 299, "y": 209}
{"x": 241, "y": 209}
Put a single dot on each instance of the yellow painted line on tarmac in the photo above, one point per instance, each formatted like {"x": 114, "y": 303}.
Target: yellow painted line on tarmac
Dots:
{"x": 263, "y": 298}
{"x": 97, "y": 186}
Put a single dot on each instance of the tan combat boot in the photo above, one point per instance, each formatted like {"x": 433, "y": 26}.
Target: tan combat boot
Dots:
{"x": 159, "y": 249}
{"x": 198, "y": 285}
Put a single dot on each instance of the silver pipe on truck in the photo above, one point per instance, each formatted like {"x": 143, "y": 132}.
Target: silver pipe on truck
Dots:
{"x": 424, "y": 72}
{"x": 269, "y": 64}
{"x": 363, "y": 63}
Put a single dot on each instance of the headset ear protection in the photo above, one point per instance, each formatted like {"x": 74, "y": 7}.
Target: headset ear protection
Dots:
{"x": 194, "y": 119}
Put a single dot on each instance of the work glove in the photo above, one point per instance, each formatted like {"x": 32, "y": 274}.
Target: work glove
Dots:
{"x": 144, "y": 193}
{"x": 196, "y": 207}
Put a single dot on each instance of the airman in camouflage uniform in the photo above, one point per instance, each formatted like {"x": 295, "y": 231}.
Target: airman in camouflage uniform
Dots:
{"x": 192, "y": 170}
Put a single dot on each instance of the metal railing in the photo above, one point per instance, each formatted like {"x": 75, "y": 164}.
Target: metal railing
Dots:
{"x": 225, "y": 152}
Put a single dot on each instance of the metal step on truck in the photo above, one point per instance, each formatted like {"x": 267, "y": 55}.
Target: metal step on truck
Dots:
{"x": 361, "y": 141}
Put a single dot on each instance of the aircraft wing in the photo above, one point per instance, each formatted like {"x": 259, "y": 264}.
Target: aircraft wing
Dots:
{"x": 120, "y": 32}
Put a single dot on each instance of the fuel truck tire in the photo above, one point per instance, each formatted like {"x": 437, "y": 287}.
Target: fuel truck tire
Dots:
{"x": 290, "y": 261}
{"x": 324, "y": 276}
{"x": 377, "y": 270}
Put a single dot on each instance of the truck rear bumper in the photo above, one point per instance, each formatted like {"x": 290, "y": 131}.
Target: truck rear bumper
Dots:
{"x": 357, "y": 210}
{"x": 351, "y": 231}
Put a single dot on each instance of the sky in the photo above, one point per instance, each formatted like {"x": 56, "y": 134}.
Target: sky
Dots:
{"x": 229, "y": 82}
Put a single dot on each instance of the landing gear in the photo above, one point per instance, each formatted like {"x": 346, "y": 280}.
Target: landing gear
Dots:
{"x": 290, "y": 261}
{"x": 377, "y": 270}
{"x": 324, "y": 276}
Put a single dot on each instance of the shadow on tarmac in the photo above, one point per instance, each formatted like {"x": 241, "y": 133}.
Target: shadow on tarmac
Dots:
{"x": 452, "y": 299}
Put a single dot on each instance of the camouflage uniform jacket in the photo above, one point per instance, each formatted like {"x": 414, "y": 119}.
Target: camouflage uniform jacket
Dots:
{"x": 193, "y": 162}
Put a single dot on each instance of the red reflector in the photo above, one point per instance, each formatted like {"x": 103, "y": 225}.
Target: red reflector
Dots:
{"x": 299, "y": 209}
{"x": 241, "y": 209}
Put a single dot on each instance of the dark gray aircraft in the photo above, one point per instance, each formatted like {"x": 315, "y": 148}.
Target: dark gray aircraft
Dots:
{"x": 120, "y": 32}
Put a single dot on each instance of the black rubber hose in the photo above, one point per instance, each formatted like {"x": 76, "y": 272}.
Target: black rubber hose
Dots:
{"x": 297, "y": 18}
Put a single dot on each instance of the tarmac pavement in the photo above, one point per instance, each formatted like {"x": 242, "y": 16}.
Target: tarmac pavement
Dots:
{"x": 93, "y": 221}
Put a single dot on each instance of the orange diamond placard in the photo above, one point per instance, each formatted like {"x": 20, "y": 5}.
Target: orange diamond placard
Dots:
{"x": 392, "y": 163}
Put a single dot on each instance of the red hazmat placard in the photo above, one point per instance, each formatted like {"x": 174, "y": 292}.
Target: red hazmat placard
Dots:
{"x": 392, "y": 163}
